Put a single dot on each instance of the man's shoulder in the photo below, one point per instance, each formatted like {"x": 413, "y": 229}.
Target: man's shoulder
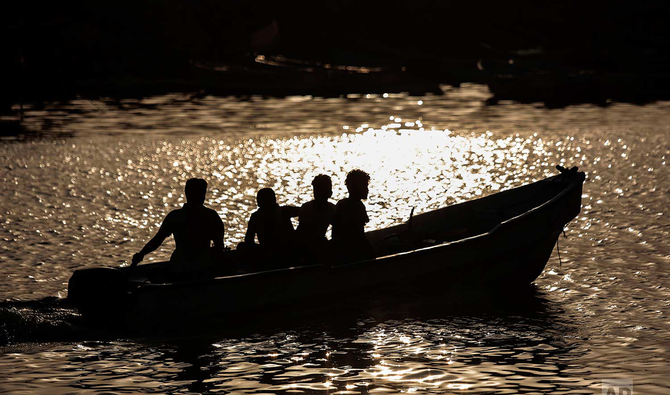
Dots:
{"x": 309, "y": 205}
{"x": 212, "y": 214}
{"x": 184, "y": 212}
{"x": 290, "y": 211}
{"x": 349, "y": 203}
{"x": 210, "y": 211}
{"x": 173, "y": 218}
{"x": 174, "y": 214}
{"x": 342, "y": 202}
{"x": 313, "y": 204}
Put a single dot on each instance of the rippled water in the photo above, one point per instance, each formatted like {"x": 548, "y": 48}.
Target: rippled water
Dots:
{"x": 89, "y": 183}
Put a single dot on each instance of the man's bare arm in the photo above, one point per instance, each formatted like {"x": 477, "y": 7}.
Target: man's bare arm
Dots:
{"x": 249, "y": 237}
{"x": 151, "y": 246}
{"x": 217, "y": 240}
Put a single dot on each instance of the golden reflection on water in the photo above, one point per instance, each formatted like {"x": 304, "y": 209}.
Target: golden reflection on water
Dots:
{"x": 113, "y": 193}
{"x": 93, "y": 199}
{"x": 409, "y": 166}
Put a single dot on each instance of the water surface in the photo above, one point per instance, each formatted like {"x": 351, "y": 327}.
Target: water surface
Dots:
{"x": 89, "y": 183}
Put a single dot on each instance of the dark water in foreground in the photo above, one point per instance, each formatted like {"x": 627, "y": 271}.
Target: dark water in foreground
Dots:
{"x": 90, "y": 185}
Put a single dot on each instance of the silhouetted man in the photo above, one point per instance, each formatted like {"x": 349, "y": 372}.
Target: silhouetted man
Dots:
{"x": 317, "y": 215}
{"x": 271, "y": 223}
{"x": 315, "y": 218}
{"x": 349, "y": 240}
{"x": 195, "y": 227}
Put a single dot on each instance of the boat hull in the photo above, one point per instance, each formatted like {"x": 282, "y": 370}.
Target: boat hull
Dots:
{"x": 512, "y": 253}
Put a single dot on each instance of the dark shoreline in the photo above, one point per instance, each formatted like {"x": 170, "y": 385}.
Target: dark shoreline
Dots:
{"x": 559, "y": 54}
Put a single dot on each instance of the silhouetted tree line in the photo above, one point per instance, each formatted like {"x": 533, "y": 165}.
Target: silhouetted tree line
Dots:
{"x": 48, "y": 45}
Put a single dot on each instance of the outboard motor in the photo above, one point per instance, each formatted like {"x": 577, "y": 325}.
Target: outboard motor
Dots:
{"x": 98, "y": 291}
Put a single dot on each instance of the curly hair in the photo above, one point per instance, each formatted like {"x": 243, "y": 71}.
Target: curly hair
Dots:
{"x": 357, "y": 177}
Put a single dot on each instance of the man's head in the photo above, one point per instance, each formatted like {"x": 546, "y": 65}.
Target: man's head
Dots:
{"x": 195, "y": 191}
{"x": 323, "y": 187}
{"x": 357, "y": 184}
{"x": 266, "y": 198}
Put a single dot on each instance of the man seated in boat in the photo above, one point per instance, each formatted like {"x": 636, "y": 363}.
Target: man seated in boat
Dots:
{"x": 315, "y": 218}
{"x": 195, "y": 228}
{"x": 271, "y": 224}
{"x": 349, "y": 241}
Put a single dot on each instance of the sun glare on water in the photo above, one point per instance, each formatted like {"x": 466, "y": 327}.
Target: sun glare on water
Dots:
{"x": 410, "y": 167}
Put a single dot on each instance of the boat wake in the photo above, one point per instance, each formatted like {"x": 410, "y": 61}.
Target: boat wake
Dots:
{"x": 46, "y": 320}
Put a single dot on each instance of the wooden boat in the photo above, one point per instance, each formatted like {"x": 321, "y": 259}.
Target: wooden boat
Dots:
{"x": 501, "y": 241}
